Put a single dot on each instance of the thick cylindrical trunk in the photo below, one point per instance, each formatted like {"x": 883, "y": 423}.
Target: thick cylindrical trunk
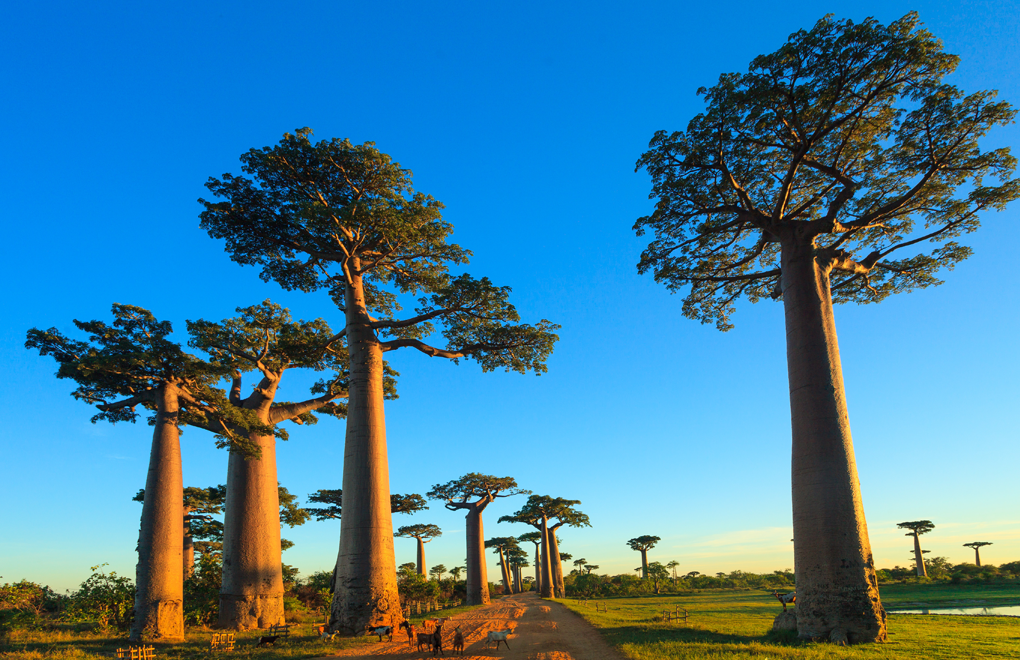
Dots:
{"x": 477, "y": 575}
{"x": 547, "y": 577}
{"x": 421, "y": 557}
{"x": 977, "y": 557}
{"x": 189, "y": 545}
{"x": 837, "y": 591}
{"x": 557, "y": 564}
{"x": 644, "y": 564}
{"x": 159, "y": 576}
{"x": 366, "y": 575}
{"x": 919, "y": 557}
{"x": 252, "y": 591}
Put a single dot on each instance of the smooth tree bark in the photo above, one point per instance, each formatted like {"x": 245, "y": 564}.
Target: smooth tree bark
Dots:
{"x": 473, "y": 493}
{"x": 918, "y": 527}
{"x": 536, "y": 538}
{"x": 826, "y": 173}
{"x": 501, "y": 544}
{"x": 345, "y": 219}
{"x": 422, "y": 534}
{"x": 643, "y": 544}
{"x": 977, "y": 545}
{"x": 547, "y": 515}
{"x": 134, "y": 364}
{"x": 198, "y": 505}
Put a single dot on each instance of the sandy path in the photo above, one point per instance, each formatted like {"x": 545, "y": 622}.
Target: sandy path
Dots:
{"x": 542, "y": 631}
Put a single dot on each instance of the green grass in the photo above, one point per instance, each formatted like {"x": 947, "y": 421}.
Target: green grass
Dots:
{"x": 737, "y": 624}
{"x": 65, "y": 644}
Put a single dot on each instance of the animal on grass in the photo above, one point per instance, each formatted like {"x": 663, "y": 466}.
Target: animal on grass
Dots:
{"x": 411, "y": 630}
{"x": 267, "y": 641}
{"x": 327, "y": 636}
{"x": 498, "y": 636}
{"x": 786, "y": 599}
{"x": 458, "y": 641}
{"x": 381, "y": 631}
{"x": 437, "y": 640}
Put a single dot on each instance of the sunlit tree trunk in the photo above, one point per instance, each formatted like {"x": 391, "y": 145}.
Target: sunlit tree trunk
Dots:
{"x": 837, "y": 591}
{"x": 421, "y": 557}
{"x": 547, "y": 576}
{"x": 477, "y": 575}
{"x": 644, "y": 564}
{"x": 252, "y": 591}
{"x": 189, "y": 545}
{"x": 556, "y": 564}
{"x": 366, "y": 576}
{"x": 538, "y": 568}
{"x": 919, "y": 557}
{"x": 159, "y": 578}
{"x": 505, "y": 570}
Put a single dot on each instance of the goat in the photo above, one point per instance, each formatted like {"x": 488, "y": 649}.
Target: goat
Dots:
{"x": 458, "y": 641}
{"x": 409, "y": 627}
{"x": 498, "y": 636}
{"x": 437, "y": 641}
{"x": 267, "y": 641}
{"x": 382, "y": 631}
{"x": 424, "y": 639}
{"x": 790, "y": 598}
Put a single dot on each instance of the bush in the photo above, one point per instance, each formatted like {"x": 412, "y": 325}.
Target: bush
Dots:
{"x": 106, "y": 599}
{"x": 202, "y": 591}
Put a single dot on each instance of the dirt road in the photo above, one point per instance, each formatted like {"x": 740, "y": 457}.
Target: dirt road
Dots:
{"x": 542, "y": 631}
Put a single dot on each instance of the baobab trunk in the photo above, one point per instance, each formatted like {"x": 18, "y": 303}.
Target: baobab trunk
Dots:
{"x": 977, "y": 557}
{"x": 644, "y": 564}
{"x": 477, "y": 575}
{"x": 919, "y": 557}
{"x": 366, "y": 575}
{"x": 505, "y": 570}
{"x": 159, "y": 577}
{"x": 252, "y": 591}
{"x": 837, "y": 591}
{"x": 189, "y": 545}
{"x": 421, "y": 556}
{"x": 557, "y": 564}
{"x": 547, "y": 578}
{"x": 538, "y": 568}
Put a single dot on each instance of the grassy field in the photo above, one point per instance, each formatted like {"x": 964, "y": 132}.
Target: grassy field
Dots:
{"x": 737, "y": 624}
{"x": 64, "y": 644}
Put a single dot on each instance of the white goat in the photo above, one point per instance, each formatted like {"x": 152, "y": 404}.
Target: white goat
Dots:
{"x": 498, "y": 636}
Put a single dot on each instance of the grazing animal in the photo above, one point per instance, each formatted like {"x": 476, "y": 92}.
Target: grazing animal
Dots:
{"x": 409, "y": 627}
{"x": 424, "y": 639}
{"x": 437, "y": 640}
{"x": 786, "y": 599}
{"x": 267, "y": 641}
{"x": 458, "y": 641}
{"x": 498, "y": 636}
{"x": 381, "y": 631}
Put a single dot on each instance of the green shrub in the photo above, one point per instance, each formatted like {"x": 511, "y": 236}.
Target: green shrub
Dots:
{"x": 106, "y": 599}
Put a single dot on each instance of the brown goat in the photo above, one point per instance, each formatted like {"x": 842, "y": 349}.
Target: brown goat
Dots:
{"x": 458, "y": 641}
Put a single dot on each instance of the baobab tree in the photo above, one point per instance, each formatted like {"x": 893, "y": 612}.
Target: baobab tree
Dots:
{"x": 132, "y": 363}
{"x": 518, "y": 559}
{"x": 263, "y": 338}
{"x": 918, "y": 527}
{"x": 590, "y": 567}
{"x": 819, "y": 176}
{"x": 345, "y": 219}
{"x": 455, "y": 573}
{"x": 643, "y": 544}
{"x": 472, "y": 493}
{"x": 977, "y": 545}
{"x": 333, "y": 501}
{"x": 579, "y": 563}
{"x": 437, "y": 572}
{"x": 547, "y": 515}
{"x": 673, "y": 566}
{"x": 536, "y": 538}
{"x": 502, "y": 544}
{"x": 200, "y": 504}
{"x": 423, "y": 534}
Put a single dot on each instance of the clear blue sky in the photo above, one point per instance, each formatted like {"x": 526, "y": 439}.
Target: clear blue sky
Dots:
{"x": 525, "y": 119}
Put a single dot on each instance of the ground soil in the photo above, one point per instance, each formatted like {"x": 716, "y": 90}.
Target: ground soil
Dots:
{"x": 542, "y": 631}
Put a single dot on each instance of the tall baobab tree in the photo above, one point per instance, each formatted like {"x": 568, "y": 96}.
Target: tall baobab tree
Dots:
{"x": 673, "y": 566}
{"x": 455, "y": 572}
{"x": 826, "y": 173}
{"x": 502, "y": 544}
{"x": 473, "y": 493}
{"x": 536, "y": 538}
{"x": 918, "y": 527}
{"x": 264, "y": 339}
{"x": 345, "y": 219}
{"x": 643, "y": 544}
{"x": 132, "y": 363}
{"x": 200, "y": 504}
{"x": 977, "y": 545}
{"x": 423, "y": 534}
{"x": 548, "y": 515}
{"x": 518, "y": 559}
{"x": 579, "y": 563}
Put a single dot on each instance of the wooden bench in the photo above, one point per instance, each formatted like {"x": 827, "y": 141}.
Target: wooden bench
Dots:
{"x": 137, "y": 653}
{"x": 222, "y": 642}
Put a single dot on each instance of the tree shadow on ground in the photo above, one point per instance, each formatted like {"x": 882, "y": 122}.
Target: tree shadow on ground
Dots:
{"x": 647, "y": 635}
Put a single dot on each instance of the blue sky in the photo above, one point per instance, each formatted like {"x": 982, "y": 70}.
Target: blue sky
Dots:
{"x": 525, "y": 119}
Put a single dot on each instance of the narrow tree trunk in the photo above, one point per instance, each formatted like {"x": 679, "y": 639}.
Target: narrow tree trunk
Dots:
{"x": 189, "y": 545}
{"x": 557, "y": 565}
{"x": 366, "y": 576}
{"x": 252, "y": 591}
{"x": 837, "y": 591}
{"x": 538, "y": 567}
{"x": 547, "y": 578}
{"x": 421, "y": 557}
{"x": 977, "y": 557}
{"x": 919, "y": 557}
{"x": 505, "y": 570}
{"x": 477, "y": 575}
{"x": 644, "y": 564}
{"x": 159, "y": 578}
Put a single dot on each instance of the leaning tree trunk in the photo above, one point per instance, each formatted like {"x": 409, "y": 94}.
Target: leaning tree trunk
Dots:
{"x": 547, "y": 577}
{"x": 837, "y": 591}
{"x": 189, "y": 545}
{"x": 366, "y": 574}
{"x": 252, "y": 591}
{"x": 159, "y": 578}
{"x": 421, "y": 556}
{"x": 477, "y": 575}
{"x": 505, "y": 570}
{"x": 919, "y": 557}
{"x": 556, "y": 564}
